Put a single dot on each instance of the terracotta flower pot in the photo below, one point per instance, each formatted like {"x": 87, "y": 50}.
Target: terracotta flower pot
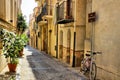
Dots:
{"x": 12, "y": 67}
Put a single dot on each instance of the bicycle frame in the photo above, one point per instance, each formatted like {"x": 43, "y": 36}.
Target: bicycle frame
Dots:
{"x": 93, "y": 72}
{"x": 88, "y": 65}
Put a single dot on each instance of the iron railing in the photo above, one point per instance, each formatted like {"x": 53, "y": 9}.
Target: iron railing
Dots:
{"x": 46, "y": 10}
{"x": 65, "y": 10}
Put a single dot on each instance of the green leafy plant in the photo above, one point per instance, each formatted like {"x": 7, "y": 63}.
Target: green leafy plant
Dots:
{"x": 22, "y": 40}
{"x": 25, "y": 39}
{"x": 10, "y": 47}
{"x": 21, "y": 23}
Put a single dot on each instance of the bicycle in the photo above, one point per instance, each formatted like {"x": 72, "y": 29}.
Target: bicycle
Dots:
{"x": 88, "y": 65}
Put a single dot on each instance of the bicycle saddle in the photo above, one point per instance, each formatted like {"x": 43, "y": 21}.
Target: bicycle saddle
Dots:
{"x": 89, "y": 54}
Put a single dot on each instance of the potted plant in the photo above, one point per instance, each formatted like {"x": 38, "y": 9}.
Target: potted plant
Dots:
{"x": 23, "y": 39}
{"x": 21, "y": 47}
{"x": 11, "y": 50}
{"x": 19, "y": 44}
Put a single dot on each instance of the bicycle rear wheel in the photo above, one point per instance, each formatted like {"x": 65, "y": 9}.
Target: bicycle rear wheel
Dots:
{"x": 93, "y": 72}
{"x": 82, "y": 68}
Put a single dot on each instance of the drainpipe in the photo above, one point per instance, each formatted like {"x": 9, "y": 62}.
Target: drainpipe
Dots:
{"x": 57, "y": 4}
{"x": 74, "y": 42}
{"x": 57, "y": 42}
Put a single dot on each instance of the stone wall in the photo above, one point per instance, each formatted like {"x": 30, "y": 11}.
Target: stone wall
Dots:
{"x": 104, "y": 74}
{"x": 2, "y": 61}
{"x": 106, "y": 32}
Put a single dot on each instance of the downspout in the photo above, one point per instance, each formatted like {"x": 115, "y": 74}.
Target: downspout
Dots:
{"x": 74, "y": 41}
{"x": 57, "y": 42}
{"x": 57, "y": 5}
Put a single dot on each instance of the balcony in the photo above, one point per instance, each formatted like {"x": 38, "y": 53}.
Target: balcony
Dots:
{"x": 39, "y": 18}
{"x": 45, "y": 14}
{"x": 65, "y": 12}
{"x": 47, "y": 11}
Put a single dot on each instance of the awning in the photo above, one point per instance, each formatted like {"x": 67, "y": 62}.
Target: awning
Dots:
{"x": 5, "y": 25}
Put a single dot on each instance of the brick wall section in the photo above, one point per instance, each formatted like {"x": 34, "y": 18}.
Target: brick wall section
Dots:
{"x": 64, "y": 54}
{"x": 78, "y": 56}
{"x": 60, "y": 51}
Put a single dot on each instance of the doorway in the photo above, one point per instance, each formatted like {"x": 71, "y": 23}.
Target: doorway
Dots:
{"x": 68, "y": 46}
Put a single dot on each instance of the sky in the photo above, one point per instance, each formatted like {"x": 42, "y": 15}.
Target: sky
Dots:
{"x": 27, "y": 8}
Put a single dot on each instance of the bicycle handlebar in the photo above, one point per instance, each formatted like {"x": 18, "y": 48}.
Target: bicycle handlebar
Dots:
{"x": 95, "y": 52}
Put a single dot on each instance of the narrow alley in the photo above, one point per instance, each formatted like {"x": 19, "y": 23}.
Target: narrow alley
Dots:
{"x": 63, "y": 36}
{"x": 40, "y": 66}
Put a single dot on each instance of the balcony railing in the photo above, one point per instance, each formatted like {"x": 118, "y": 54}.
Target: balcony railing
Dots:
{"x": 39, "y": 18}
{"x": 65, "y": 12}
{"x": 46, "y": 11}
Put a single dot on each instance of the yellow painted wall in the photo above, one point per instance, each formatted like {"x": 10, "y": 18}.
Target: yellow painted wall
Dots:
{"x": 8, "y": 8}
{"x": 39, "y": 39}
{"x": 2, "y": 9}
{"x": 52, "y": 42}
{"x": 80, "y": 12}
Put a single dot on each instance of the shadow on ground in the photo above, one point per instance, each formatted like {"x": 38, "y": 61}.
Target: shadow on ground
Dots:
{"x": 45, "y": 67}
{"x": 8, "y": 76}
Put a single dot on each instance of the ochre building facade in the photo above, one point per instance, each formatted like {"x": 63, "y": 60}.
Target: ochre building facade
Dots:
{"x": 8, "y": 18}
{"x": 63, "y": 31}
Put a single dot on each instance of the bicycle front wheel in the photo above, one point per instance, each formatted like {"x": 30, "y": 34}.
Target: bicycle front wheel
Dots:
{"x": 93, "y": 72}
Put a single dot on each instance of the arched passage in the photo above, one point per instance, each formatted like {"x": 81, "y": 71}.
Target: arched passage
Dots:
{"x": 68, "y": 45}
{"x": 45, "y": 39}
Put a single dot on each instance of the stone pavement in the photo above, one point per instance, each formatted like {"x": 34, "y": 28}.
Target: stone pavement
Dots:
{"x": 36, "y": 65}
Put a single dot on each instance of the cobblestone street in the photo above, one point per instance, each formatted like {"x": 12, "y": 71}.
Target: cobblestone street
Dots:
{"x": 40, "y": 66}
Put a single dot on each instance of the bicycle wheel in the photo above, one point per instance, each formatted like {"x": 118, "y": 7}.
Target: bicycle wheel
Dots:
{"x": 82, "y": 68}
{"x": 93, "y": 72}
